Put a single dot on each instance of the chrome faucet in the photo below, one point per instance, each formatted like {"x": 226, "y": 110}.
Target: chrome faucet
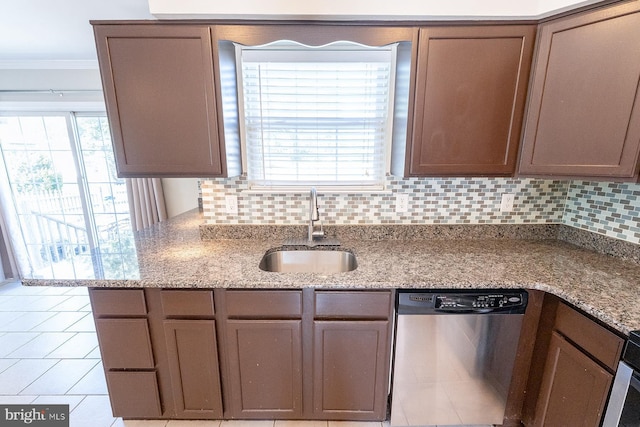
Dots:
{"x": 314, "y": 215}
{"x": 315, "y": 237}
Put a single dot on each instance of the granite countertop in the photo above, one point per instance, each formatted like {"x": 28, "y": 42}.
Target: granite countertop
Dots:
{"x": 174, "y": 255}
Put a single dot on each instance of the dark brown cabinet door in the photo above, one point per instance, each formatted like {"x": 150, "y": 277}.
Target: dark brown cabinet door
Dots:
{"x": 125, "y": 343}
{"x": 265, "y": 368}
{"x": 470, "y": 94}
{"x": 584, "y": 110}
{"x": 193, "y": 366}
{"x": 574, "y": 388}
{"x": 349, "y": 369}
{"x": 134, "y": 394}
{"x": 159, "y": 90}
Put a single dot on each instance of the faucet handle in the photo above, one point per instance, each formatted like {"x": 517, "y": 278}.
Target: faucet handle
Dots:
{"x": 318, "y": 233}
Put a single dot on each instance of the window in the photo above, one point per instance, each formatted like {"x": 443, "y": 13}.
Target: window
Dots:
{"x": 60, "y": 180}
{"x": 316, "y": 115}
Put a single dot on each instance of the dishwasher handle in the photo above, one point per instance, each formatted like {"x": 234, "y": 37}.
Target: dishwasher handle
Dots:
{"x": 463, "y": 310}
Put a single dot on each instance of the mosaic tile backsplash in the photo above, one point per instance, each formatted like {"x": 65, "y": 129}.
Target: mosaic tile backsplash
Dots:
{"x": 431, "y": 201}
{"x": 607, "y": 208}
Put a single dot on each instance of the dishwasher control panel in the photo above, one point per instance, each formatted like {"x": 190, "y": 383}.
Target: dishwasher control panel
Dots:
{"x": 435, "y": 302}
{"x": 465, "y": 301}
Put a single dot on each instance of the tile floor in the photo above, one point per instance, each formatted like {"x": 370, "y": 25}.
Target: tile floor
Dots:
{"x": 49, "y": 355}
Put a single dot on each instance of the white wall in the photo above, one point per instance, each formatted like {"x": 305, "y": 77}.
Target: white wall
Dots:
{"x": 76, "y": 86}
{"x": 358, "y": 9}
{"x": 36, "y": 75}
{"x": 180, "y": 194}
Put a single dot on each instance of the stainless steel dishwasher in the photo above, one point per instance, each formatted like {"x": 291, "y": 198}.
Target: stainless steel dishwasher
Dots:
{"x": 454, "y": 355}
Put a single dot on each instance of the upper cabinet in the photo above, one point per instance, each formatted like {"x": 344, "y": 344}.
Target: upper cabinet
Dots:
{"x": 583, "y": 117}
{"x": 160, "y": 94}
{"x": 470, "y": 90}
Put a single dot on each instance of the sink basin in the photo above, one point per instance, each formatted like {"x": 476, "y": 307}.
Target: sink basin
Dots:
{"x": 309, "y": 261}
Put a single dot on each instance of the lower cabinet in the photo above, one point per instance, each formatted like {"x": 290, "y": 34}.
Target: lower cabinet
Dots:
{"x": 350, "y": 369}
{"x": 125, "y": 346}
{"x": 574, "y": 387}
{"x": 265, "y": 368}
{"x": 577, "y": 359}
{"x": 134, "y": 394}
{"x": 193, "y": 367}
{"x": 307, "y": 354}
{"x": 254, "y": 354}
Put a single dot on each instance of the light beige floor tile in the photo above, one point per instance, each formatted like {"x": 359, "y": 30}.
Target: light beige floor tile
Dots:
{"x": 77, "y": 347}
{"x": 73, "y": 303}
{"x": 72, "y": 401}
{"x": 9, "y": 287}
{"x": 75, "y": 290}
{"x": 142, "y": 423}
{"x": 11, "y": 341}
{"x": 246, "y": 423}
{"x": 296, "y": 423}
{"x": 7, "y": 316}
{"x": 92, "y": 383}
{"x": 95, "y": 354}
{"x": 48, "y": 290}
{"x": 354, "y": 424}
{"x": 46, "y": 303}
{"x": 6, "y": 363}
{"x": 59, "y": 322}
{"x": 26, "y": 321}
{"x": 42, "y": 345}
{"x": 14, "y": 289}
{"x": 86, "y": 324}
{"x": 61, "y": 377}
{"x": 93, "y": 411}
{"x": 20, "y": 303}
{"x": 17, "y": 400}
{"x": 14, "y": 379}
{"x": 194, "y": 423}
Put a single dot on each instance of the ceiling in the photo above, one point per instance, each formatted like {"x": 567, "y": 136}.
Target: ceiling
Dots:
{"x": 49, "y": 30}
{"x": 58, "y": 30}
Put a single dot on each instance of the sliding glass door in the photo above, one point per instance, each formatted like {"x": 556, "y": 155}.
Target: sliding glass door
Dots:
{"x": 69, "y": 204}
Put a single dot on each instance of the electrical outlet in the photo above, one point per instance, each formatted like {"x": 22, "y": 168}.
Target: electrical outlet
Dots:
{"x": 231, "y": 204}
{"x": 506, "y": 205}
{"x": 402, "y": 203}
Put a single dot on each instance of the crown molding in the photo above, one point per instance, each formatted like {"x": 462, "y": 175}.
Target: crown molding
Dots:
{"x": 58, "y": 64}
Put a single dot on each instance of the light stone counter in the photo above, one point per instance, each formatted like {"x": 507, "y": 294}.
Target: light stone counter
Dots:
{"x": 173, "y": 255}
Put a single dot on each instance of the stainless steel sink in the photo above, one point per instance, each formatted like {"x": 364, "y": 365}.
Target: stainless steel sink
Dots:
{"x": 309, "y": 261}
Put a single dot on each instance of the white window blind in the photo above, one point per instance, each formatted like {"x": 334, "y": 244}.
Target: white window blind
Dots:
{"x": 316, "y": 116}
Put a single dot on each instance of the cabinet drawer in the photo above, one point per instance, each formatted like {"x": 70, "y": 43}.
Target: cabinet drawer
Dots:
{"x": 125, "y": 343}
{"x": 353, "y": 304}
{"x": 134, "y": 394}
{"x": 187, "y": 303}
{"x": 600, "y": 343}
{"x": 264, "y": 304}
{"x": 117, "y": 302}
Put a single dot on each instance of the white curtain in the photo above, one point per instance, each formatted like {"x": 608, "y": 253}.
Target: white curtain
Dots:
{"x": 14, "y": 248}
{"x": 146, "y": 202}
{"x": 8, "y": 262}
